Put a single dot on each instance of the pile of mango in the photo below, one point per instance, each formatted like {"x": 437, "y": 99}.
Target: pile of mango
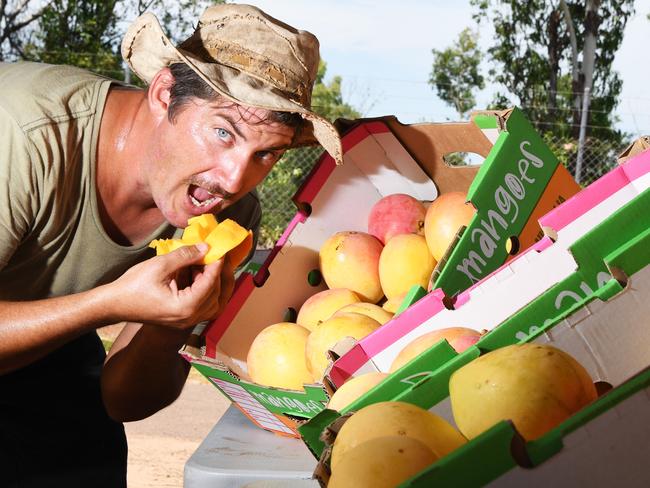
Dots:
{"x": 535, "y": 386}
{"x": 368, "y": 275}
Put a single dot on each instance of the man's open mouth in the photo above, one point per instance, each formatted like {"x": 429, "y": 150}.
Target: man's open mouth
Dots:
{"x": 201, "y": 197}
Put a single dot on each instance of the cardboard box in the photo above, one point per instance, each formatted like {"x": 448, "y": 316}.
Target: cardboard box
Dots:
{"x": 607, "y": 332}
{"x": 519, "y": 177}
{"x": 611, "y": 445}
{"x": 609, "y": 338}
{"x": 591, "y": 257}
{"x": 548, "y": 268}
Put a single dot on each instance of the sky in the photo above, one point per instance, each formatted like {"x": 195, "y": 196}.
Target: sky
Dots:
{"x": 382, "y": 51}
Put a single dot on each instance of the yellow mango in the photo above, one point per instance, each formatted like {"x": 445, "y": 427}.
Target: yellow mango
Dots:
{"x": 164, "y": 246}
{"x": 226, "y": 237}
{"x": 193, "y": 234}
{"x": 231, "y": 237}
{"x": 535, "y": 386}
{"x": 382, "y": 462}
{"x": 395, "y": 418}
{"x": 205, "y": 221}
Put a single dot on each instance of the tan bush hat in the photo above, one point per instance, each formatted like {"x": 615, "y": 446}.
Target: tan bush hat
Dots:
{"x": 246, "y": 56}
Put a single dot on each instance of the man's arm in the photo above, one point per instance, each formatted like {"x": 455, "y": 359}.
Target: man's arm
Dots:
{"x": 143, "y": 371}
{"x": 148, "y": 292}
{"x": 31, "y": 330}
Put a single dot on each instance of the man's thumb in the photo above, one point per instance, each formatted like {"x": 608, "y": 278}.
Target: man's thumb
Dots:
{"x": 187, "y": 255}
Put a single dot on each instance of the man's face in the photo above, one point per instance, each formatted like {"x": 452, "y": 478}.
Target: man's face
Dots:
{"x": 212, "y": 155}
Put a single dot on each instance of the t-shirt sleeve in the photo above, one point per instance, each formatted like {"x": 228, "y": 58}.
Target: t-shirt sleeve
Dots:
{"x": 18, "y": 189}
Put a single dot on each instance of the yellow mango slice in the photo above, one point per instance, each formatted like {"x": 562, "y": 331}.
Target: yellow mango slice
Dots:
{"x": 231, "y": 237}
{"x": 206, "y": 221}
{"x": 226, "y": 237}
{"x": 199, "y": 228}
{"x": 193, "y": 234}
{"x": 164, "y": 246}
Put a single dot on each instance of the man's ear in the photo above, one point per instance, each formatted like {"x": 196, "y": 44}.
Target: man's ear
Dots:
{"x": 159, "y": 92}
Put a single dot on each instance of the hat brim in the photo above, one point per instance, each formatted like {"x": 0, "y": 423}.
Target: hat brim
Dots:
{"x": 147, "y": 50}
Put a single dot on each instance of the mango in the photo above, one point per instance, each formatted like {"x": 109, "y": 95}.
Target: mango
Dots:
{"x": 460, "y": 338}
{"x": 354, "y": 388}
{"x": 392, "y": 304}
{"x": 536, "y": 386}
{"x": 164, "y": 246}
{"x": 382, "y": 462}
{"x": 350, "y": 260}
{"x": 444, "y": 218}
{"x": 327, "y": 334}
{"x": 396, "y": 214}
{"x": 405, "y": 261}
{"x": 370, "y": 309}
{"x": 198, "y": 228}
{"x": 321, "y": 306}
{"x": 276, "y": 357}
{"x": 226, "y": 237}
{"x": 395, "y": 418}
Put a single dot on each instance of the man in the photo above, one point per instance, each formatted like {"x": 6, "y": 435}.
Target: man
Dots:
{"x": 90, "y": 172}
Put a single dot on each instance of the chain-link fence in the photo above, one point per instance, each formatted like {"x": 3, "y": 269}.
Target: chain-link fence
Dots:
{"x": 278, "y": 188}
{"x": 277, "y": 191}
{"x": 598, "y": 156}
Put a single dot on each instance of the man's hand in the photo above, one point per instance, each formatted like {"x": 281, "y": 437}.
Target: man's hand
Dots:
{"x": 168, "y": 290}
{"x": 171, "y": 290}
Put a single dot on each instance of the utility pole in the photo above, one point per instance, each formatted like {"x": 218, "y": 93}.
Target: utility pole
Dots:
{"x": 588, "y": 57}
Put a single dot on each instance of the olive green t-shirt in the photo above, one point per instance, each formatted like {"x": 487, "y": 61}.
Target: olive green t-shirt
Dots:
{"x": 54, "y": 430}
{"x": 52, "y": 241}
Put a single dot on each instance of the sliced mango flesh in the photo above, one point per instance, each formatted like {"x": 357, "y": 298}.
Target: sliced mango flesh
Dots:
{"x": 226, "y": 237}
{"x": 164, "y": 246}
{"x": 193, "y": 234}
{"x": 206, "y": 221}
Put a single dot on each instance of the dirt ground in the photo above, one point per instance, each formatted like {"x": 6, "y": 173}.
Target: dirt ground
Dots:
{"x": 160, "y": 445}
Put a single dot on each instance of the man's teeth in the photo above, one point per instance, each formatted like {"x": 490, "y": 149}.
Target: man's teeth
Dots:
{"x": 204, "y": 203}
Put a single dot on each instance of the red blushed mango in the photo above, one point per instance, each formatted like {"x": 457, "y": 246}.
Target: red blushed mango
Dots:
{"x": 350, "y": 260}
{"x": 396, "y": 214}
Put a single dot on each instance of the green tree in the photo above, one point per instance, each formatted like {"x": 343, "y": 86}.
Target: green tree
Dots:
{"x": 287, "y": 175}
{"x": 177, "y": 17}
{"x": 16, "y": 19}
{"x": 532, "y": 58}
{"x": 88, "y": 33}
{"x": 80, "y": 33}
{"x": 455, "y": 74}
{"x": 327, "y": 98}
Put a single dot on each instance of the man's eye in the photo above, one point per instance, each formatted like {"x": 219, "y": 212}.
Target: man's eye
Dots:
{"x": 269, "y": 156}
{"x": 223, "y": 133}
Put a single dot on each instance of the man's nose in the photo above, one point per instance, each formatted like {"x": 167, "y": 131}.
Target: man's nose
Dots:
{"x": 235, "y": 172}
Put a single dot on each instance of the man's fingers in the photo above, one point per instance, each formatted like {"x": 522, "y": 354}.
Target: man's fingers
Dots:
{"x": 227, "y": 283}
{"x": 205, "y": 282}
